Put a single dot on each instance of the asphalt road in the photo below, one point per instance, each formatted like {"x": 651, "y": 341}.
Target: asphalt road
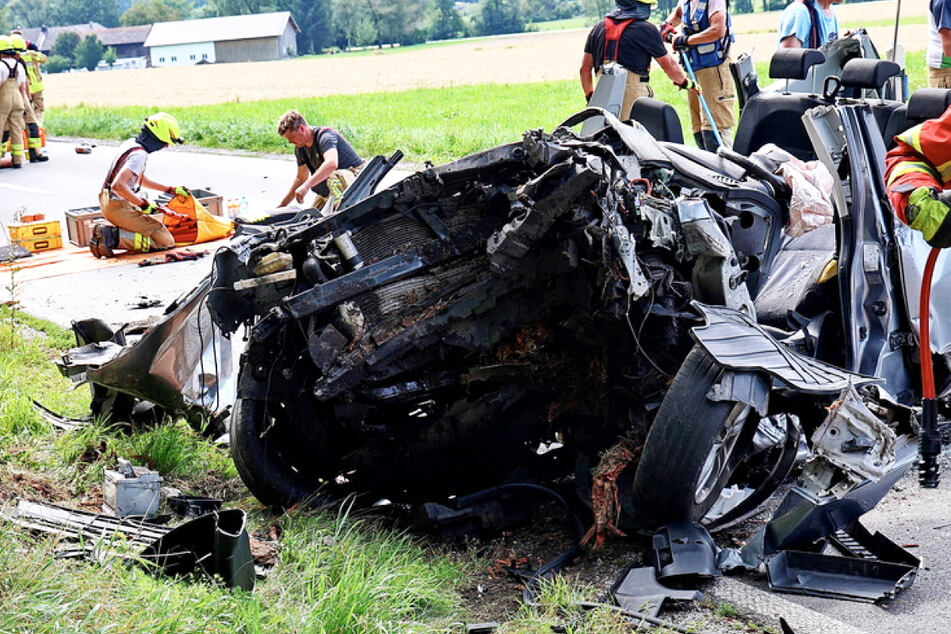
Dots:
{"x": 909, "y": 516}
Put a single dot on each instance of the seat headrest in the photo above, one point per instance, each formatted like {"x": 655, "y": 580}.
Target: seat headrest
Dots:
{"x": 928, "y": 103}
{"x": 794, "y": 63}
{"x": 868, "y": 73}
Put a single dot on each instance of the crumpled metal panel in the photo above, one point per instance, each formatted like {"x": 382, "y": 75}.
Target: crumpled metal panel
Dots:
{"x": 182, "y": 361}
{"x": 739, "y": 343}
{"x": 854, "y": 439}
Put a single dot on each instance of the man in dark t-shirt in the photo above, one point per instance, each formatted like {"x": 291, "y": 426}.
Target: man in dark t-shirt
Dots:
{"x": 626, "y": 37}
{"x": 326, "y": 163}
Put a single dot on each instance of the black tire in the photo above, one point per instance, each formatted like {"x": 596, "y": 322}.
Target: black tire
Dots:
{"x": 278, "y": 463}
{"x": 672, "y": 483}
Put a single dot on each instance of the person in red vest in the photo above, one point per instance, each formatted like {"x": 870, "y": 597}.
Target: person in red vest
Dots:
{"x": 917, "y": 171}
{"x": 626, "y": 37}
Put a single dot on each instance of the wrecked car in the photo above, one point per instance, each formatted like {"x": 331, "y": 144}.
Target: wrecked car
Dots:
{"x": 527, "y": 308}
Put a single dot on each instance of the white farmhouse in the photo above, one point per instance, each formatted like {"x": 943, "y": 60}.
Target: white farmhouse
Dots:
{"x": 234, "y": 38}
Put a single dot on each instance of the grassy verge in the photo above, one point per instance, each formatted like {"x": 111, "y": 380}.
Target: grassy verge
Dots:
{"x": 337, "y": 572}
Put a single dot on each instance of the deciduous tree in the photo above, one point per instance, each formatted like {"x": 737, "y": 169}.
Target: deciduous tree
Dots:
{"x": 314, "y": 17}
{"x": 152, "y": 11}
{"x": 65, "y": 44}
{"x": 500, "y": 16}
{"x": 446, "y": 22}
{"x": 89, "y": 52}
{"x": 105, "y": 12}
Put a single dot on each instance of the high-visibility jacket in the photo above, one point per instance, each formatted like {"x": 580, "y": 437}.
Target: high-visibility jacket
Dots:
{"x": 708, "y": 54}
{"x": 921, "y": 158}
{"x": 33, "y": 59}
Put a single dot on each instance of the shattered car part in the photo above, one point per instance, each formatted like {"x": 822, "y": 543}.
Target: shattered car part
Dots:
{"x": 853, "y": 578}
{"x": 216, "y": 544}
{"x": 638, "y": 590}
{"x": 57, "y": 420}
{"x": 683, "y": 551}
{"x": 555, "y": 234}
{"x": 182, "y": 363}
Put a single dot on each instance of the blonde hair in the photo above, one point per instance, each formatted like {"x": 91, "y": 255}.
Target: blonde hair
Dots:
{"x": 290, "y": 120}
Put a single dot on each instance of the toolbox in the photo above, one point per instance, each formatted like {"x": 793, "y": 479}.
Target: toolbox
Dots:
{"x": 35, "y": 236}
{"x": 79, "y": 223}
{"x": 41, "y": 244}
{"x": 208, "y": 199}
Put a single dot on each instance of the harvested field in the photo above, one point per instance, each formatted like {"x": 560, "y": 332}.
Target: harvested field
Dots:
{"x": 510, "y": 59}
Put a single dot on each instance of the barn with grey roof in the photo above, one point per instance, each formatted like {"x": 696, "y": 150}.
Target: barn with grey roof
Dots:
{"x": 236, "y": 38}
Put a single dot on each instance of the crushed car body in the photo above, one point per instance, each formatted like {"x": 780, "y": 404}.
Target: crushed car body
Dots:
{"x": 533, "y": 305}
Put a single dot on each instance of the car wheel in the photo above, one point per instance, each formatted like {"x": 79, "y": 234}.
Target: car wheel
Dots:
{"x": 693, "y": 446}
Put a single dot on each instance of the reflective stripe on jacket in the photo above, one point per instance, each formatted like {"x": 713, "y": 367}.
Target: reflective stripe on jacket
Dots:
{"x": 921, "y": 158}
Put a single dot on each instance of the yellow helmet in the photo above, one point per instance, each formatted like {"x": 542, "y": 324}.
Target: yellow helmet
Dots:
{"x": 6, "y": 46}
{"x": 18, "y": 42}
{"x": 165, "y": 128}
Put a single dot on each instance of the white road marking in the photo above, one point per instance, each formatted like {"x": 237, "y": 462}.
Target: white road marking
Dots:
{"x": 29, "y": 190}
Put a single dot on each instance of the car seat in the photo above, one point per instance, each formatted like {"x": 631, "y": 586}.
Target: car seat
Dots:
{"x": 862, "y": 75}
{"x": 660, "y": 119}
{"x": 924, "y": 104}
{"x": 776, "y": 117}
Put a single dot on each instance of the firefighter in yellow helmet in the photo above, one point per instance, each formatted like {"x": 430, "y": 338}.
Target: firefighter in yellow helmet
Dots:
{"x": 134, "y": 227}
{"x": 34, "y": 59}
{"x": 13, "y": 86}
{"x": 34, "y": 143}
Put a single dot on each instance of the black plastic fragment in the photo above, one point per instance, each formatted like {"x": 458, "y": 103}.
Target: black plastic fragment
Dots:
{"x": 639, "y": 591}
{"x": 683, "y": 551}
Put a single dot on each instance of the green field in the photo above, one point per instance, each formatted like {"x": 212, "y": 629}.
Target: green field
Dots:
{"x": 580, "y": 22}
{"x": 429, "y": 124}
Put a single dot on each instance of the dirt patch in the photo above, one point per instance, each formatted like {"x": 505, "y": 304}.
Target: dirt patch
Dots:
{"x": 522, "y": 58}
{"x": 16, "y": 485}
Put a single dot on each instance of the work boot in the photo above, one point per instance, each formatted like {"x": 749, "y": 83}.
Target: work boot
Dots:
{"x": 710, "y": 142}
{"x": 104, "y": 239}
{"x": 698, "y": 139}
{"x": 37, "y": 157}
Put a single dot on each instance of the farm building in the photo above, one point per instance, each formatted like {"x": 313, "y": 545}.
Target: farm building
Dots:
{"x": 44, "y": 36}
{"x": 128, "y": 41}
{"x": 235, "y": 38}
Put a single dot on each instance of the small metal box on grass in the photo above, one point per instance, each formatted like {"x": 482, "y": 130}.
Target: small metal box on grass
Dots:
{"x": 131, "y": 491}
{"x": 79, "y": 223}
{"x": 209, "y": 200}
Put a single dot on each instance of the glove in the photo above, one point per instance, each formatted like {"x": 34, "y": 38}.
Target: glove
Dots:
{"x": 687, "y": 84}
{"x": 147, "y": 207}
{"x": 667, "y": 31}
{"x": 587, "y": 96}
{"x": 927, "y": 213}
{"x": 181, "y": 190}
{"x": 680, "y": 43}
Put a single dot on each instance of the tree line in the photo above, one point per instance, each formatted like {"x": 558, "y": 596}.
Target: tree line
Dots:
{"x": 330, "y": 24}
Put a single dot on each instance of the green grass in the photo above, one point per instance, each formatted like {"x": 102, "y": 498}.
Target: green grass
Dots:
{"x": 914, "y": 19}
{"x": 579, "y": 22}
{"x": 337, "y": 572}
{"x": 436, "y": 124}
{"x": 427, "y": 124}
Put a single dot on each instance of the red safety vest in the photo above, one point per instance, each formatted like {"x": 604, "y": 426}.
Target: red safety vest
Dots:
{"x": 613, "y": 30}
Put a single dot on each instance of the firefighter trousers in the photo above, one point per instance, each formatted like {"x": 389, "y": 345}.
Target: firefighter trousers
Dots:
{"x": 137, "y": 231}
